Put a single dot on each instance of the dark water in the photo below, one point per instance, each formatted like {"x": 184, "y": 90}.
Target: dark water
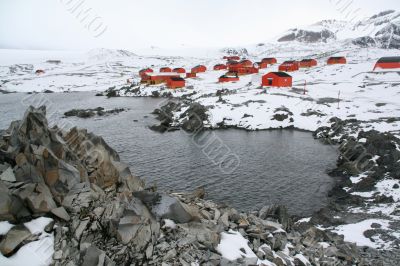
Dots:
{"x": 253, "y": 169}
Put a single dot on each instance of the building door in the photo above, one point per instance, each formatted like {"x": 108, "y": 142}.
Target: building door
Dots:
{"x": 270, "y": 81}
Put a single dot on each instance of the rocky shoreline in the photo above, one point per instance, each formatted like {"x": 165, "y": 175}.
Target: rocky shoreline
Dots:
{"x": 369, "y": 157}
{"x": 103, "y": 215}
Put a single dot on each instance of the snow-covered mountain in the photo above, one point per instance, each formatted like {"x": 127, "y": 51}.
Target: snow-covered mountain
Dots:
{"x": 108, "y": 54}
{"x": 381, "y": 30}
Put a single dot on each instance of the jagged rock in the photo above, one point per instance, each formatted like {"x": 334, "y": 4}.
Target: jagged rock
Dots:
{"x": 96, "y": 257}
{"x": 171, "y": 208}
{"x": 313, "y": 236}
{"x": 279, "y": 213}
{"x": 137, "y": 225}
{"x": 194, "y": 117}
{"x": 347, "y": 251}
{"x": 5, "y": 204}
{"x": 81, "y": 195}
{"x": 61, "y": 213}
{"x": 170, "y": 254}
{"x": 239, "y": 262}
{"x": 40, "y": 203}
{"x": 14, "y": 239}
{"x": 207, "y": 235}
{"x": 81, "y": 227}
{"x": 100, "y": 159}
{"x": 8, "y": 175}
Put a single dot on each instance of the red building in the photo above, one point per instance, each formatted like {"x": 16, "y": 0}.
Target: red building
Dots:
{"x": 199, "y": 69}
{"x": 289, "y": 66}
{"x": 277, "y": 79}
{"x": 392, "y": 62}
{"x": 231, "y": 63}
{"x": 337, "y": 60}
{"x": 233, "y": 57}
{"x": 220, "y": 67}
{"x": 225, "y": 78}
{"x": 269, "y": 60}
{"x": 175, "y": 82}
{"x": 191, "y": 75}
{"x": 261, "y": 65}
{"x": 242, "y": 68}
{"x": 179, "y": 70}
{"x": 233, "y": 66}
{"x": 165, "y": 69}
{"x": 246, "y": 63}
{"x": 246, "y": 70}
{"x": 308, "y": 63}
{"x": 154, "y": 79}
{"x": 144, "y": 71}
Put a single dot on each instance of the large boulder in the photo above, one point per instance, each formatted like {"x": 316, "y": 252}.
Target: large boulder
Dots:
{"x": 5, "y": 204}
{"x": 136, "y": 224}
{"x": 14, "y": 239}
{"x": 171, "y": 208}
{"x": 96, "y": 257}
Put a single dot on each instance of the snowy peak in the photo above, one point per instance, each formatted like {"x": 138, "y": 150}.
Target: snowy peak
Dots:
{"x": 381, "y": 30}
{"x": 308, "y": 36}
{"x": 242, "y": 52}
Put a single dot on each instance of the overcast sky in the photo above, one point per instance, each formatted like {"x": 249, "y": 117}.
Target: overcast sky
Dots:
{"x": 130, "y": 24}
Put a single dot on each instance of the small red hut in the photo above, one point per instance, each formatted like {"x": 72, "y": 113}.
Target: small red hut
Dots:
{"x": 277, "y": 79}
{"x": 240, "y": 69}
{"x": 246, "y": 70}
{"x": 336, "y": 60}
{"x": 165, "y": 69}
{"x": 199, "y": 69}
{"x": 392, "y": 62}
{"x": 231, "y": 63}
{"x": 261, "y": 65}
{"x": 269, "y": 60}
{"x": 179, "y": 70}
{"x": 220, "y": 67}
{"x": 175, "y": 82}
{"x": 246, "y": 63}
{"x": 144, "y": 71}
{"x": 232, "y": 57}
{"x": 289, "y": 66}
{"x": 190, "y": 75}
{"x": 225, "y": 78}
{"x": 157, "y": 78}
{"x": 233, "y": 66}
{"x": 308, "y": 63}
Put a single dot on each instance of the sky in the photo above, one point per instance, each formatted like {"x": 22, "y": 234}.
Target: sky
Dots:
{"x": 134, "y": 24}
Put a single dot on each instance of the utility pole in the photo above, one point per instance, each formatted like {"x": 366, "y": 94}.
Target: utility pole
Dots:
{"x": 338, "y": 103}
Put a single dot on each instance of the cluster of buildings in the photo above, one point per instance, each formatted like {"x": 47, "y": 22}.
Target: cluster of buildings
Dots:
{"x": 173, "y": 78}
{"x": 235, "y": 67}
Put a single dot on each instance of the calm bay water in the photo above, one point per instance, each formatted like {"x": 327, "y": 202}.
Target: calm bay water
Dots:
{"x": 278, "y": 166}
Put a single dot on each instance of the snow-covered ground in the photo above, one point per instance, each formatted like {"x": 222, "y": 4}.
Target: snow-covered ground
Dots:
{"x": 364, "y": 95}
{"x": 35, "y": 253}
{"x": 94, "y": 70}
